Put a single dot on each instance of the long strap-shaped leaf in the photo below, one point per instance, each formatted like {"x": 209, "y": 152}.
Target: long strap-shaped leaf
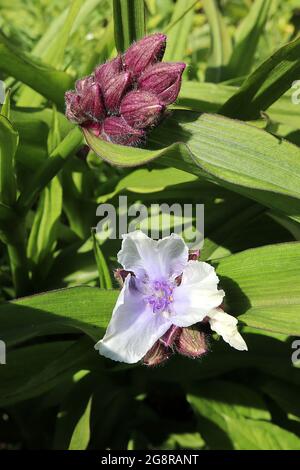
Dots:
{"x": 221, "y": 47}
{"x": 247, "y": 37}
{"x": 8, "y": 145}
{"x": 266, "y": 84}
{"x": 238, "y": 156}
{"x": 46, "y": 80}
{"x": 129, "y": 21}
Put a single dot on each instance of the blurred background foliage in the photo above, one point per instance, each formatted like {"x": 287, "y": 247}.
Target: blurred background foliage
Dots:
{"x": 56, "y": 392}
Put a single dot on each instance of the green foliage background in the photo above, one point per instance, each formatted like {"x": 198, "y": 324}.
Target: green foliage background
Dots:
{"x": 232, "y": 143}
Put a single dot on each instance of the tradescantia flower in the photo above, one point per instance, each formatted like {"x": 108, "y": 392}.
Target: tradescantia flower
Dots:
{"x": 169, "y": 302}
{"x": 126, "y": 97}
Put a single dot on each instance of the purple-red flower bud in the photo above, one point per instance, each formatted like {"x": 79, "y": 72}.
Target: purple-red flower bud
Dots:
{"x": 121, "y": 274}
{"x": 114, "y": 90}
{"x": 145, "y": 52}
{"x": 94, "y": 127}
{"x": 83, "y": 84}
{"x": 141, "y": 109}
{"x": 170, "y": 336}
{"x": 117, "y": 131}
{"x": 191, "y": 342}
{"x": 86, "y": 104}
{"x": 194, "y": 255}
{"x": 74, "y": 111}
{"x": 157, "y": 354}
{"x": 126, "y": 96}
{"x": 164, "y": 80}
{"x": 92, "y": 103}
{"x": 105, "y": 72}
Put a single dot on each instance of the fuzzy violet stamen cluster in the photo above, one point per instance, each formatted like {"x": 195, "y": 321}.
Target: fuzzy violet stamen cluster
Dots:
{"x": 169, "y": 302}
{"x": 127, "y": 96}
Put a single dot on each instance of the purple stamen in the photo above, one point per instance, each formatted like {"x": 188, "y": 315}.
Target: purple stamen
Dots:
{"x": 160, "y": 296}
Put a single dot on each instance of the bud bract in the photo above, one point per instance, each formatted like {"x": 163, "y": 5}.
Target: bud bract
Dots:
{"x": 114, "y": 90}
{"x": 145, "y": 52}
{"x": 191, "y": 342}
{"x": 141, "y": 109}
{"x": 91, "y": 102}
{"x": 163, "y": 79}
{"x": 73, "y": 108}
{"x": 105, "y": 72}
{"x": 157, "y": 354}
{"x": 117, "y": 131}
{"x": 169, "y": 337}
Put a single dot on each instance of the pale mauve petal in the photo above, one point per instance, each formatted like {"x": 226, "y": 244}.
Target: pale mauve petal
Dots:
{"x": 157, "y": 259}
{"x": 133, "y": 328}
{"x": 197, "y": 294}
{"x": 226, "y": 326}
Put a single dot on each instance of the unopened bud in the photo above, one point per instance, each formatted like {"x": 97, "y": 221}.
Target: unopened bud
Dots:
{"x": 115, "y": 89}
{"x": 164, "y": 80}
{"x": 117, "y": 131}
{"x": 141, "y": 109}
{"x": 83, "y": 84}
{"x": 145, "y": 52}
{"x": 169, "y": 337}
{"x": 94, "y": 127}
{"x": 121, "y": 274}
{"x": 194, "y": 255}
{"x": 105, "y": 72}
{"x": 191, "y": 342}
{"x": 73, "y": 109}
{"x": 91, "y": 102}
{"x": 157, "y": 354}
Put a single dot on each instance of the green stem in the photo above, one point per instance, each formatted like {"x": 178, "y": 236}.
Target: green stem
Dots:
{"x": 19, "y": 268}
{"x": 12, "y": 226}
{"x": 71, "y": 143}
{"x": 13, "y": 234}
{"x": 129, "y": 22}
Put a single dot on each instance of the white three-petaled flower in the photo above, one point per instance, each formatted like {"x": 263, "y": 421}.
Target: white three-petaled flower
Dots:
{"x": 165, "y": 289}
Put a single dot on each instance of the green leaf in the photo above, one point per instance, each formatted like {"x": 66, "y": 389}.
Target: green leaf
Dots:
{"x": 57, "y": 159}
{"x": 72, "y": 408}
{"x": 262, "y": 287}
{"x": 45, "y": 43}
{"x": 178, "y": 30}
{"x": 104, "y": 276}
{"x": 232, "y": 399}
{"x": 238, "y": 156}
{"x": 209, "y": 98}
{"x": 243, "y": 433}
{"x": 183, "y": 441}
{"x": 43, "y": 234}
{"x": 56, "y": 362}
{"x": 221, "y": 47}
{"x": 53, "y": 55}
{"x": 129, "y": 20}
{"x": 14, "y": 378}
{"x": 247, "y": 37}
{"x": 283, "y": 393}
{"x": 9, "y": 139}
{"x": 47, "y": 81}
{"x": 5, "y": 109}
{"x": 266, "y": 84}
{"x": 81, "y": 435}
{"x": 86, "y": 309}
